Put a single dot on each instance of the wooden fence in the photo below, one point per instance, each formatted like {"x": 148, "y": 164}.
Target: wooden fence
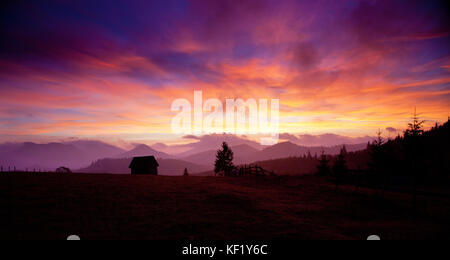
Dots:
{"x": 248, "y": 170}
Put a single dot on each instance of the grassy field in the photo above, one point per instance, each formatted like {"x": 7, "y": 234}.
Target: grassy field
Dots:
{"x": 52, "y": 206}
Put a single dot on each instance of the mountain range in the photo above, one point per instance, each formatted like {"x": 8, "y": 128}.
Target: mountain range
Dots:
{"x": 245, "y": 154}
{"x": 94, "y": 156}
{"x": 49, "y": 156}
{"x": 143, "y": 150}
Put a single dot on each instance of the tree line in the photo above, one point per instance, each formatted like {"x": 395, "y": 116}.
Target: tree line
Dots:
{"x": 420, "y": 156}
{"x": 416, "y": 157}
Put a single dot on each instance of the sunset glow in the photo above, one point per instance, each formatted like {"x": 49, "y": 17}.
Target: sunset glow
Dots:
{"x": 343, "y": 67}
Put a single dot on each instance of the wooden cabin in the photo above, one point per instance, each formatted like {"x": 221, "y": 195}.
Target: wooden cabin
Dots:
{"x": 144, "y": 165}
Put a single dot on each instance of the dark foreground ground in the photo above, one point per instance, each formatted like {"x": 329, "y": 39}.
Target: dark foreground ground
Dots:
{"x": 51, "y": 206}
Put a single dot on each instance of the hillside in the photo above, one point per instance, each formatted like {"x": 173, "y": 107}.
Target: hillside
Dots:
{"x": 46, "y": 156}
{"x": 425, "y": 155}
{"x": 308, "y": 165}
{"x": 288, "y": 149}
{"x": 244, "y": 154}
{"x": 75, "y": 154}
{"x": 169, "y": 167}
{"x": 98, "y": 206}
{"x": 81, "y": 153}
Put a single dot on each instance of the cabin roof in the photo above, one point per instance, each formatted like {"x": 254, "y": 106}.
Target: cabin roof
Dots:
{"x": 143, "y": 162}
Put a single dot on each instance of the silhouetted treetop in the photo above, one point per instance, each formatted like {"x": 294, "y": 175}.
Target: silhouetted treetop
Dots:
{"x": 224, "y": 160}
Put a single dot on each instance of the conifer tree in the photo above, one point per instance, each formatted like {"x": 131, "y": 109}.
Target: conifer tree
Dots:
{"x": 323, "y": 169}
{"x": 340, "y": 167}
{"x": 224, "y": 160}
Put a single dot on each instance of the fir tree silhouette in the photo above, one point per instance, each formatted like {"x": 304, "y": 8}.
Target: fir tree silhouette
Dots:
{"x": 323, "y": 169}
{"x": 340, "y": 167}
{"x": 378, "y": 161}
{"x": 414, "y": 151}
{"x": 224, "y": 160}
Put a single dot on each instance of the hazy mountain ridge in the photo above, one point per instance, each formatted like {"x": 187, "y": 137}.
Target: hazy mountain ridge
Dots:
{"x": 45, "y": 156}
{"x": 169, "y": 167}
{"x": 324, "y": 140}
{"x": 81, "y": 154}
{"x": 143, "y": 150}
{"x": 288, "y": 149}
{"x": 75, "y": 154}
{"x": 244, "y": 154}
{"x": 206, "y": 143}
{"x": 97, "y": 149}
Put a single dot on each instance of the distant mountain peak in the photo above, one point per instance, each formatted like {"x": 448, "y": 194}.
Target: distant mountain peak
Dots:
{"x": 142, "y": 146}
{"x": 143, "y": 150}
{"x": 244, "y": 146}
{"x": 284, "y": 145}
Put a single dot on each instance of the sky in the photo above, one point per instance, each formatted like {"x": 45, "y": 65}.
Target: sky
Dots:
{"x": 111, "y": 69}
